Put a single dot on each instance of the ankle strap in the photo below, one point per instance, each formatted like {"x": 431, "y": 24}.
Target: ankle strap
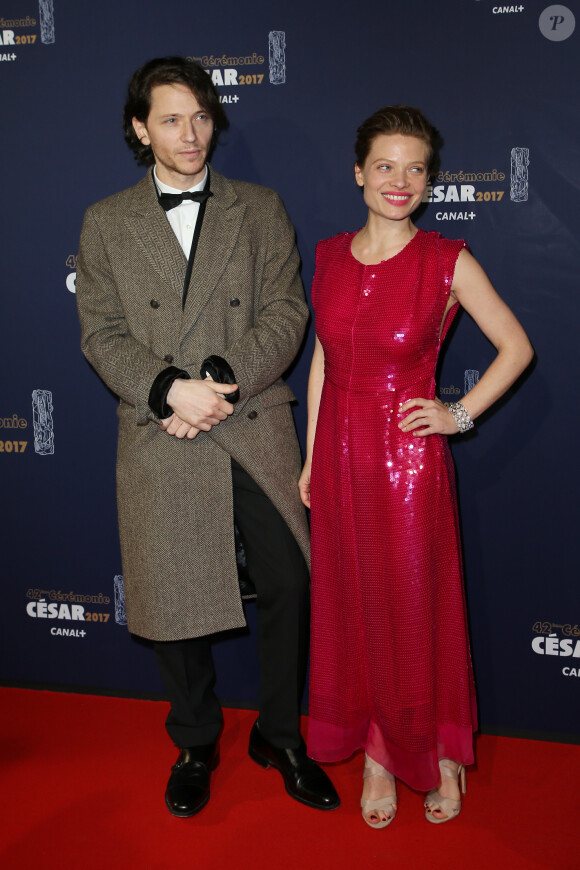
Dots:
{"x": 373, "y": 768}
{"x": 450, "y": 768}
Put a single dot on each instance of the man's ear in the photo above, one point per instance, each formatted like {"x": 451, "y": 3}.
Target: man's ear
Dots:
{"x": 141, "y": 131}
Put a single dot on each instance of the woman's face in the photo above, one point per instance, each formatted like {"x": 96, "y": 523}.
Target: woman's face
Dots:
{"x": 394, "y": 175}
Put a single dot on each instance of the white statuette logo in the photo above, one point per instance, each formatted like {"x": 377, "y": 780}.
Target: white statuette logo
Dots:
{"x": 277, "y": 46}
{"x": 519, "y": 174}
{"x": 42, "y": 422}
{"x": 471, "y": 377}
{"x": 46, "y": 15}
{"x": 119, "y": 590}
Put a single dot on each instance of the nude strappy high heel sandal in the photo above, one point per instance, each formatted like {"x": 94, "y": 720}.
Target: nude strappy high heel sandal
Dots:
{"x": 387, "y": 804}
{"x": 434, "y": 801}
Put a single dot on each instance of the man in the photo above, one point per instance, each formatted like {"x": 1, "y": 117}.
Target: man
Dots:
{"x": 191, "y": 310}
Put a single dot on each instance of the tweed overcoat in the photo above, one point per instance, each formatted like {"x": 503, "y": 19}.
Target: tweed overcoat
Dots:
{"x": 246, "y": 304}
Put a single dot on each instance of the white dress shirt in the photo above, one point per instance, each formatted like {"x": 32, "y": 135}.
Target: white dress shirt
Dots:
{"x": 184, "y": 216}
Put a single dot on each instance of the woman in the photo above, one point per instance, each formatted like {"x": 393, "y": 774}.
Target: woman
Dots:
{"x": 390, "y": 663}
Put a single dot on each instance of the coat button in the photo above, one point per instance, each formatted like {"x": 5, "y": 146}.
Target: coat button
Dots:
{"x": 234, "y": 302}
{"x": 168, "y": 358}
{"x": 252, "y": 415}
{"x": 154, "y": 303}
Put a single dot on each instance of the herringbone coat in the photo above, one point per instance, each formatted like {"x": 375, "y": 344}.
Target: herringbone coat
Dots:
{"x": 175, "y": 496}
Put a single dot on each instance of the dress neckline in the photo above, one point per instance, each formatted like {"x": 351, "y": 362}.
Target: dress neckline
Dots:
{"x": 380, "y": 263}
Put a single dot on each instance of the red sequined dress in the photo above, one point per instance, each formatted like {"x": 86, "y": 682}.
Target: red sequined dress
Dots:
{"x": 390, "y": 663}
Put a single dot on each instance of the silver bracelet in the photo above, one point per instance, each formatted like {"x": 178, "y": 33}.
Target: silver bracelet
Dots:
{"x": 461, "y": 416}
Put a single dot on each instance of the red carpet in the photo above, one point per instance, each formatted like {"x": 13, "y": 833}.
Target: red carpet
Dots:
{"x": 83, "y": 779}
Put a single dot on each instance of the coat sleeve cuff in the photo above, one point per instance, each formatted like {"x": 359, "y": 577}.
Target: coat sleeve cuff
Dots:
{"x": 159, "y": 389}
{"x": 221, "y": 372}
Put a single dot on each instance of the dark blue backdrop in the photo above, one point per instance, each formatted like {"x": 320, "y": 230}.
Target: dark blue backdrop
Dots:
{"x": 501, "y": 83}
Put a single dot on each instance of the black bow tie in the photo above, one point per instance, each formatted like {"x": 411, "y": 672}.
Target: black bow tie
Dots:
{"x": 171, "y": 200}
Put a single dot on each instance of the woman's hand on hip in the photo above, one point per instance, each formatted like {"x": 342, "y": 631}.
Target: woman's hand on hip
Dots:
{"x": 427, "y": 417}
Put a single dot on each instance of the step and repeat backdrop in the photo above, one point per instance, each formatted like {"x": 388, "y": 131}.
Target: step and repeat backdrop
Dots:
{"x": 297, "y": 78}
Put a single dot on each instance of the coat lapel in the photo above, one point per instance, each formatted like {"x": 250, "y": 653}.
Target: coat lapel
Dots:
{"x": 219, "y": 233}
{"x": 148, "y": 224}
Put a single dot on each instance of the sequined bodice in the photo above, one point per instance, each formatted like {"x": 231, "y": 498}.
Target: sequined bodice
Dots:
{"x": 381, "y": 329}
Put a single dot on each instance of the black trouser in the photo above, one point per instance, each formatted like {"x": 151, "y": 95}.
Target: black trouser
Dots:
{"x": 279, "y": 573}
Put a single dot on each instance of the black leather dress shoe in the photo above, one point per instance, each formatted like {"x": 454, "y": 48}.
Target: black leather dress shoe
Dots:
{"x": 304, "y": 779}
{"x": 188, "y": 787}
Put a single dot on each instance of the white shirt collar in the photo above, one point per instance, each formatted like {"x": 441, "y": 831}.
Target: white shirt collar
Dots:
{"x": 165, "y": 188}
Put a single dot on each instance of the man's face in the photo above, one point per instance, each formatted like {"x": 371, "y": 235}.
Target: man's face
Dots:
{"x": 179, "y": 132}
